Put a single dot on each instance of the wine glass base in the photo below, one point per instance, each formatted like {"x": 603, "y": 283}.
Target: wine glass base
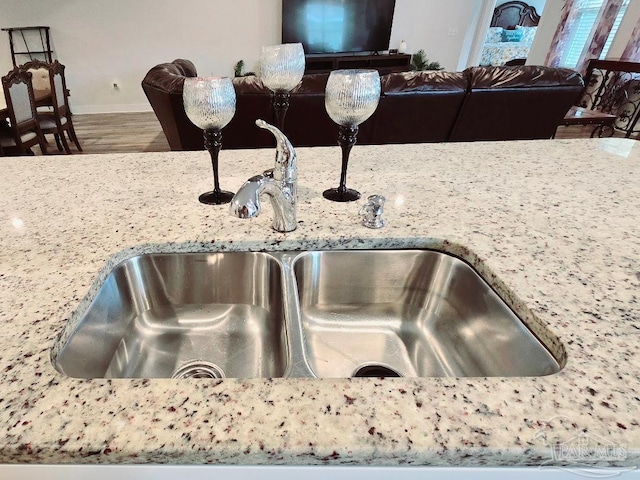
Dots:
{"x": 216, "y": 198}
{"x": 337, "y": 195}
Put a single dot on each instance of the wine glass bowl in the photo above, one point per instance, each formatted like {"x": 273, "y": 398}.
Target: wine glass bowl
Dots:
{"x": 210, "y": 104}
{"x": 281, "y": 69}
{"x": 351, "y": 97}
{"x": 282, "y": 66}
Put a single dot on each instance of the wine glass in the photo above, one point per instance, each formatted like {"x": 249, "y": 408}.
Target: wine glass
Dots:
{"x": 351, "y": 97}
{"x": 281, "y": 69}
{"x": 210, "y": 103}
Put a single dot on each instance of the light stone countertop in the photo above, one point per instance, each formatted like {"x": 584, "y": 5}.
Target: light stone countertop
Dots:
{"x": 552, "y": 225}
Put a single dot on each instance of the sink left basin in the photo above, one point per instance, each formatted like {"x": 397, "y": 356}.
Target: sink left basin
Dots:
{"x": 183, "y": 315}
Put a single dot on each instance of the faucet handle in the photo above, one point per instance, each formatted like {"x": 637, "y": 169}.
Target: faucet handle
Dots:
{"x": 371, "y": 212}
{"x": 286, "y": 160}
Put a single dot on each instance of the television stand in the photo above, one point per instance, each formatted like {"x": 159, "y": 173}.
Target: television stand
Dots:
{"x": 383, "y": 63}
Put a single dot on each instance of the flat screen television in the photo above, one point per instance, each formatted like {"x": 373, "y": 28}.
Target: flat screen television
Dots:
{"x": 336, "y": 26}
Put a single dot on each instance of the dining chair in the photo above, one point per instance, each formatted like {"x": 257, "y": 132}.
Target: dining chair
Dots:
{"x": 41, "y": 83}
{"x": 40, "y": 72}
{"x": 24, "y": 130}
{"x": 58, "y": 119}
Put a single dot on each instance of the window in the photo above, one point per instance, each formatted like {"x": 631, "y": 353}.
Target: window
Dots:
{"x": 614, "y": 29}
{"x": 581, "y": 31}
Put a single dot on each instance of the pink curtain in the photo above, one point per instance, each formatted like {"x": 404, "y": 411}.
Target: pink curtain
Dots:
{"x": 604, "y": 24}
{"x": 567, "y": 18}
{"x": 632, "y": 50}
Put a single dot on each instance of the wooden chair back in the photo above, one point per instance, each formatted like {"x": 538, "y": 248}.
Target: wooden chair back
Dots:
{"x": 61, "y": 113}
{"x": 21, "y": 104}
{"x": 40, "y": 72}
{"x": 58, "y": 88}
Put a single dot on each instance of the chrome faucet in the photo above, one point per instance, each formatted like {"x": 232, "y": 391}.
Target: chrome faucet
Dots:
{"x": 279, "y": 185}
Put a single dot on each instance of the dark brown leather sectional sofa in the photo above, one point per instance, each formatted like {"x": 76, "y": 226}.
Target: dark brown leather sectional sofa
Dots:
{"x": 480, "y": 103}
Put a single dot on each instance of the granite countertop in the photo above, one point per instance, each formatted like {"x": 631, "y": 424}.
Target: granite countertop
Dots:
{"x": 552, "y": 225}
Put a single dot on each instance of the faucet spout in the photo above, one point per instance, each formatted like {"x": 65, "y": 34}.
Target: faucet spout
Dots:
{"x": 281, "y": 188}
{"x": 246, "y": 202}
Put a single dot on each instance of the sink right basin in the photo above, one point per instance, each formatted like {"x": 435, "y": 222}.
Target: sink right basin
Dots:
{"x": 411, "y": 313}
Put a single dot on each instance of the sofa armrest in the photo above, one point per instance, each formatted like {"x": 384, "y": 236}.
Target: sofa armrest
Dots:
{"x": 163, "y": 87}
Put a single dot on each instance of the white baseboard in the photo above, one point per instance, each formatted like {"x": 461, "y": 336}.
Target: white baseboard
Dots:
{"x": 122, "y": 108}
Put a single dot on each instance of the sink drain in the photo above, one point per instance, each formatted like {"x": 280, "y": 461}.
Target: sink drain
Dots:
{"x": 198, "y": 369}
{"x": 375, "y": 370}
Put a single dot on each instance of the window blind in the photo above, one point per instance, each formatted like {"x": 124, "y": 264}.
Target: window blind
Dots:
{"x": 581, "y": 32}
{"x": 614, "y": 30}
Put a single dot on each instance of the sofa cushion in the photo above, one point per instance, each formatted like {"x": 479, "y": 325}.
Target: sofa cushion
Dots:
{"x": 521, "y": 77}
{"x": 253, "y": 101}
{"x": 426, "y": 82}
{"x": 515, "y": 103}
{"x": 186, "y": 66}
{"x": 307, "y": 122}
{"x": 417, "y": 107}
{"x": 315, "y": 83}
{"x": 166, "y": 77}
{"x": 251, "y": 84}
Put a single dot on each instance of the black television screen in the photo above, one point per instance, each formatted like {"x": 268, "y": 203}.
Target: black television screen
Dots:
{"x": 332, "y": 26}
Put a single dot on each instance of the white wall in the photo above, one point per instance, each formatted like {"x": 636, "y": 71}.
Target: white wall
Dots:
{"x": 119, "y": 40}
{"x": 107, "y": 41}
{"x": 546, "y": 30}
{"x": 439, "y": 27}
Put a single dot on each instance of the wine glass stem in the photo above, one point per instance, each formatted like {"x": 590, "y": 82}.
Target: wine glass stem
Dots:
{"x": 346, "y": 139}
{"x": 213, "y": 143}
{"x": 280, "y": 107}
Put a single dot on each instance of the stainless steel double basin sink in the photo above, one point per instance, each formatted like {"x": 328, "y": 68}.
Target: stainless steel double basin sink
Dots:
{"x": 348, "y": 313}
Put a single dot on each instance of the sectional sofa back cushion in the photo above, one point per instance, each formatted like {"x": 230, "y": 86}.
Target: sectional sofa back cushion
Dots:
{"x": 515, "y": 103}
{"x": 307, "y": 122}
{"x": 481, "y": 103}
{"x": 253, "y": 101}
{"x": 418, "y": 107}
{"x": 414, "y": 107}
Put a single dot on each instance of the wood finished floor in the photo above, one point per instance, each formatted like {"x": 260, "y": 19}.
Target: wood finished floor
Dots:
{"x": 141, "y": 132}
{"x": 120, "y": 133}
